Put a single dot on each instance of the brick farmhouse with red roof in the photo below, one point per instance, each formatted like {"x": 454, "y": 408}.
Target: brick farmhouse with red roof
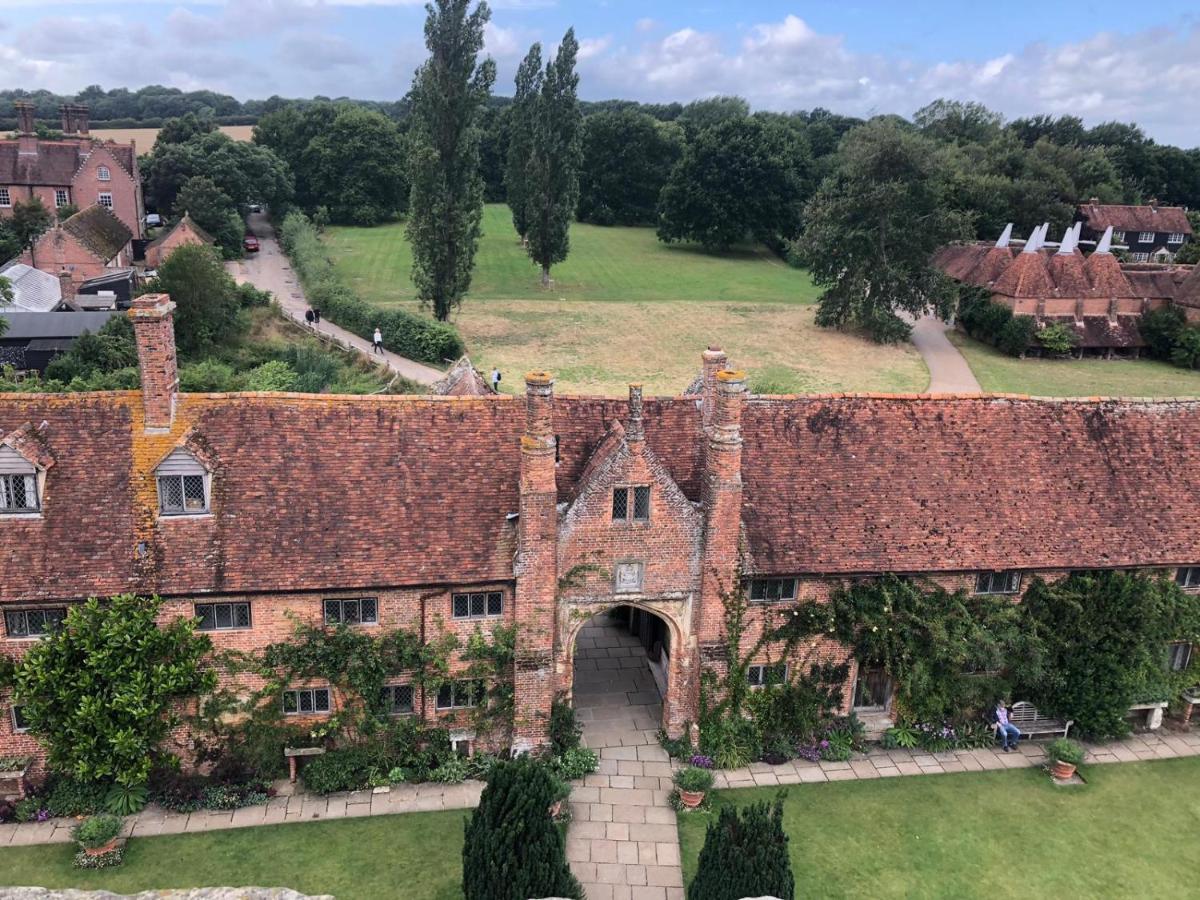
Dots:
{"x": 450, "y": 512}
{"x": 76, "y": 169}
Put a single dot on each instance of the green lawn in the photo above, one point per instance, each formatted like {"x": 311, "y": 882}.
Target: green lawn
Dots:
{"x": 1001, "y": 373}
{"x": 1130, "y": 832}
{"x": 625, "y": 307}
{"x": 416, "y": 856}
{"x": 604, "y": 264}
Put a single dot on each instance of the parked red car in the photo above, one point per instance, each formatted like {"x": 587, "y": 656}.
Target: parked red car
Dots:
{"x": 250, "y": 243}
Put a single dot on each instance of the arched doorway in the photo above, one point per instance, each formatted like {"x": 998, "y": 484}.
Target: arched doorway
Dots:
{"x": 621, "y": 675}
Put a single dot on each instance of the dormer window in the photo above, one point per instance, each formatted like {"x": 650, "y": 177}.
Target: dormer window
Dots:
{"x": 103, "y": 173}
{"x": 631, "y": 504}
{"x": 1175, "y": 237}
{"x": 1145, "y": 237}
{"x": 18, "y": 483}
{"x": 183, "y": 485}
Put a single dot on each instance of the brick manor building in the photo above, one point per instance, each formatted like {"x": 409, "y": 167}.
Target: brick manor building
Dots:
{"x": 455, "y": 511}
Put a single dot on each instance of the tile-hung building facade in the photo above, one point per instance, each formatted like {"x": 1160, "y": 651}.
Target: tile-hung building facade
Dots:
{"x": 545, "y": 510}
{"x": 1150, "y": 232}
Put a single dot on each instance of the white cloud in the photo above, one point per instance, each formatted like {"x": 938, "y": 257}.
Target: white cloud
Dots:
{"x": 592, "y": 47}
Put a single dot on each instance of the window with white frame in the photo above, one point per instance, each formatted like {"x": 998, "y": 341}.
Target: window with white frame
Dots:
{"x": 631, "y": 504}
{"x": 1140, "y": 257}
{"x": 183, "y": 485}
{"x": 766, "y": 674}
{"x": 1145, "y": 237}
{"x": 1119, "y": 237}
{"x": 18, "y": 483}
{"x": 305, "y": 701}
{"x": 1175, "y": 237}
{"x": 61, "y": 198}
{"x": 106, "y": 201}
{"x": 20, "y": 724}
{"x": 460, "y": 694}
{"x": 5, "y": 197}
{"x": 997, "y": 582}
{"x": 1188, "y": 577}
{"x": 222, "y": 616}
{"x": 103, "y": 173}
{"x": 355, "y": 611}
{"x": 477, "y": 604}
{"x": 33, "y": 623}
{"x": 772, "y": 590}
{"x": 398, "y": 699}
{"x": 1179, "y": 654}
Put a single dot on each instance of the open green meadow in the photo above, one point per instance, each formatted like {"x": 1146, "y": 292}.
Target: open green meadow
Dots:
{"x": 1001, "y": 373}
{"x": 625, "y": 307}
{"x": 1129, "y": 832}
{"x": 417, "y": 856}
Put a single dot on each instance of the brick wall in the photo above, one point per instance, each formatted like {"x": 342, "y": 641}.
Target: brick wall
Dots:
{"x": 86, "y": 188}
{"x": 57, "y": 250}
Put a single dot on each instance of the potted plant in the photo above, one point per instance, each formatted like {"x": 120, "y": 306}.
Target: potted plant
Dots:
{"x": 98, "y": 835}
{"x": 693, "y": 782}
{"x": 1065, "y": 756}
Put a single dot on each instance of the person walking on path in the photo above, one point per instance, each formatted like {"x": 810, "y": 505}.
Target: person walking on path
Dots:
{"x": 308, "y": 317}
{"x": 496, "y": 379}
{"x": 317, "y": 318}
{"x": 377, "y": 342}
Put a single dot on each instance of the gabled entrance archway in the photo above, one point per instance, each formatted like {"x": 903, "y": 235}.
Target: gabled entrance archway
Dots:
{"x": 621, "y": 675}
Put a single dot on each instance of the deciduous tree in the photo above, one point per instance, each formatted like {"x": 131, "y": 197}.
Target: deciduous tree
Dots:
{"x": 446, "y": 202}
{"x": 627, "y": 158}
{"x": 214, "y": 211}
{"x": 28, "y": 222}
{"x": 553, "y": 169}
{"x": 355, "y": 166}
{"x": 741, "y": 178}
{"x": 872, "y": 227}
{"x": 208, "y": 310}
{"x": 521, "y": 116}
{"x": 99, "y": 689}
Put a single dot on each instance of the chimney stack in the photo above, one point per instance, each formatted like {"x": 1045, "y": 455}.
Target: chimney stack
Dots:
{"x": 536, "y": 568}
{"x": 635, "y": 431}
{"x": 79, "y": 119}
{"x": 713, "y": 361}
{"x": 154, "y": 332}
{"x": 26, "y": 131}
{"x": 67, "y": 112}
{"x": 66, "y": 285}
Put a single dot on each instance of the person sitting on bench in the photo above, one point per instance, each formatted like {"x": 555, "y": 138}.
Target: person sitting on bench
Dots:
{"x": 1006, "y": 731}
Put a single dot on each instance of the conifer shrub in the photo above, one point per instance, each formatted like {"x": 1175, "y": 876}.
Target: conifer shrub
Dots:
{"x": 745, "y": 854}
{"x": 513, "y": 850}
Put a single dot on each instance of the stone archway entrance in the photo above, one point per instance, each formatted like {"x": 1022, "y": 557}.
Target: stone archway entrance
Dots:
{"x": 621, "y": 674}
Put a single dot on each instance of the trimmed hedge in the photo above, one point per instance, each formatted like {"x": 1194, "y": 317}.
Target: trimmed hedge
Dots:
{"x": 994, "y": 323}
{"x": 403, "y": 333}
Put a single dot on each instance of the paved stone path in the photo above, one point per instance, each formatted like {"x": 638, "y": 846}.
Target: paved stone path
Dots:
{"x": 270, "y": 270}
{"x": 948, "y": 369}
{"x": 622, "y": 842}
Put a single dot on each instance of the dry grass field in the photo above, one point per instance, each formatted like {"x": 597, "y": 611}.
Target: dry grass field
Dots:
{"x": 626, "y": 307}
{"x": 145, "y": 137}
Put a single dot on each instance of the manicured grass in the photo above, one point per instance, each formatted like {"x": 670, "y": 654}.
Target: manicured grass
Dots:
{"x": 604, "y": 264}
{"x": 1075, "y": 377}
{"x": 1129, "y": 832}
{"x": 626, "y": 307}
{"x": 417, "y": 856}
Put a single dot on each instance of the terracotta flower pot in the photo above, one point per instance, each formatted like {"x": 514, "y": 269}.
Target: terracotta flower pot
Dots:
{"x": 691, "y": 799}
{"x": 1063, "y": 770}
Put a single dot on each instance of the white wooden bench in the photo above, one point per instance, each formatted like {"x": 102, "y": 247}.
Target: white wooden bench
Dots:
{"x": 1031, "y": 722}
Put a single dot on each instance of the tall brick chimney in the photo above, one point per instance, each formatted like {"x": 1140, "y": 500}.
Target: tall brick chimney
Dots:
{"x": 713, "y": 360}
{"x": 66, "y": 285}
{"x": 81, "y": 113}
{"x": 154, "y": 331}
{"x": 635, "y": 430}
{"x": 67, "y": 112}
{"x": 722, "y": 506}
{"x": 536, "y": 568}
{"x": 26, "y": 130}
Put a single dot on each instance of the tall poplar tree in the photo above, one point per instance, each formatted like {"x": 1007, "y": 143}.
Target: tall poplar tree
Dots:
{"x": 553, "y": 173}
{"x": 446, "y": 202}
{"x": 520, "y": 137}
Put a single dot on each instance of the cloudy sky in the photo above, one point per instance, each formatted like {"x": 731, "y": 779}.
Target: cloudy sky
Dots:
{"x": 1099, "y": 59}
